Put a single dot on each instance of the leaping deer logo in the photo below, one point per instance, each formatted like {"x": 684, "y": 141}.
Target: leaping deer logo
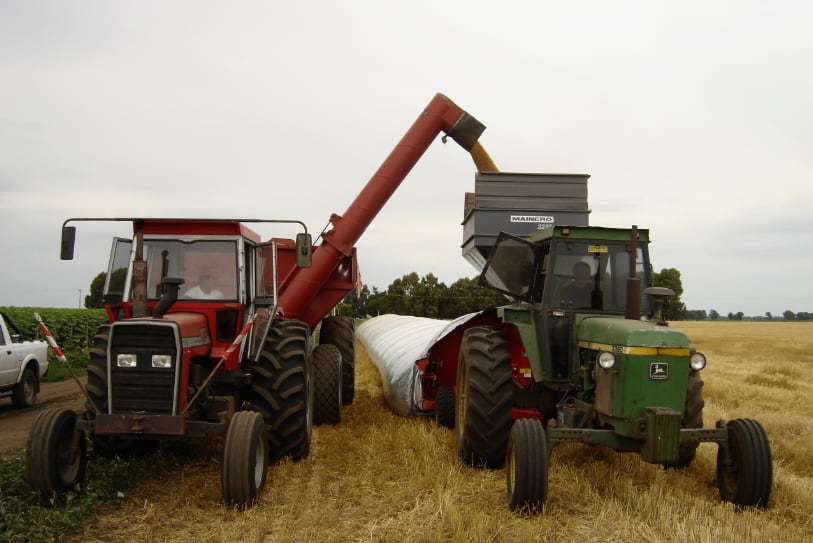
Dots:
{"x": 658, "y": 370}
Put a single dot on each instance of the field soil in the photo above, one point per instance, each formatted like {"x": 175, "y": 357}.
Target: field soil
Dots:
{"x": 377, "y": 476}
{"x": 15, "y": 423}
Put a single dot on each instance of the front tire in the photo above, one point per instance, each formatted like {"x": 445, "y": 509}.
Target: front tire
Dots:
{"x": 526, "y": 469}
{"x": 56, "y": 454}
{"x": 245, "y": 459}
{"x": 25, "y": 392}
{"x": 282, "y": 390}
{"x": 745, "y": 475}
{"x": 484, "y": 397}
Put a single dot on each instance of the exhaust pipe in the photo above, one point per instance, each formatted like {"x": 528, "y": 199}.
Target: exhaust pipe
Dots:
{"x": 633, "y": 309}
{"x": 172, "y": 286}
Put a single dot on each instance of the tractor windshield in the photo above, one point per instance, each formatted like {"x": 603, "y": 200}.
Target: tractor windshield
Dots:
{"x": 208, "y": 267}
{"x": 591, "y": 275}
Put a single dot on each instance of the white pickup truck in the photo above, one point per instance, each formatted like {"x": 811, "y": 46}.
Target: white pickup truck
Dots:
{"x": 22, "y": 364}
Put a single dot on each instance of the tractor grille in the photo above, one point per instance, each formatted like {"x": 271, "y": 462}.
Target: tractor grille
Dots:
{"x": 143, "y": 388}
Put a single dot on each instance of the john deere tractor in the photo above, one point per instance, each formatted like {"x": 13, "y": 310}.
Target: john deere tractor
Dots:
{"x": 582, "y": 355}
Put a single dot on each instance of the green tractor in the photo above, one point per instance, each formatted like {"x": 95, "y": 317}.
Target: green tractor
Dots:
{"x": 582, "y": 355}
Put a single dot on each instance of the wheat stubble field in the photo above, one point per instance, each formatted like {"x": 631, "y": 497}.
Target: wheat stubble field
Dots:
{"x": 381, "y": 477}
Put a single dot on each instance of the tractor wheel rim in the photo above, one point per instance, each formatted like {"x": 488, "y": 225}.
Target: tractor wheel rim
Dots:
{"x": 259, "y": 463}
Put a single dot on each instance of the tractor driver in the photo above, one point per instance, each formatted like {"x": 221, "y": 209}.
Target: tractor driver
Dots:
{"x": 204, "y": 290}
{"x": 577, "y": 291}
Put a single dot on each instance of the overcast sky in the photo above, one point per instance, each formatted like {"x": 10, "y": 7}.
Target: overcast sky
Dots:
{"x": 693, "y": 119}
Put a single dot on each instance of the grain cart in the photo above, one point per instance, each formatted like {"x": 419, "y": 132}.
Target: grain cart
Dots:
{"x": 210, "y": 333}
{"x": 572, "y": 360}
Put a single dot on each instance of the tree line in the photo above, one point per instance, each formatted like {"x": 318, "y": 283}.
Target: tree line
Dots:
{"x": 713, "y": 315}
{"x": 427, "y": 297}
{"x": 422, "y": 296}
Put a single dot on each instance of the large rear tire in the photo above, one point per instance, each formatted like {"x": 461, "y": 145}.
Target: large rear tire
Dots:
{"x": 25, "y": 392}
{"x": 745, "y": 476}
{"x": 526, "y": 465}
{"x": 341, "y": 332}
{"x": 282, "y": 390}
{"x": 56, "y": 456}
{"x": 245, "y": 459}
{"x": 97, "y": 371}
{"x": 484, "y": 397}
{"x": 327, "y": 377}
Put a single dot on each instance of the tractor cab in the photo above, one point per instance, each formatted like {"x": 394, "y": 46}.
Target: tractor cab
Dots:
{"x": 567, "y": 269}
{"x": 560, "y": 276}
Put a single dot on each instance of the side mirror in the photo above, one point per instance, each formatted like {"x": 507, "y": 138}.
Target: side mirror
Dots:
{"x": 68, "y": 241}
{"x": 304, "y": 250}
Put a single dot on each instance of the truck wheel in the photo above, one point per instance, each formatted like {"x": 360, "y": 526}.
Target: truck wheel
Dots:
{"x": 526, "y": 469}
{"x": 692, "y": 418}
{"x": 327, "y": 385}
{"x": 282, "y": 390}
{"x": 484, "y": 397}
{"x": 745, "y": 474}
{"x": 25, "y": 392}
{"x": 341, "y": 332}
{"x": 245, "y": 458}
{"x": 444, "y": 407}
{"x": 55, "y": 456}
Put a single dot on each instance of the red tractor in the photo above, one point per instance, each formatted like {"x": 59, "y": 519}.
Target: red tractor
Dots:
{"x": 210, "y": 332}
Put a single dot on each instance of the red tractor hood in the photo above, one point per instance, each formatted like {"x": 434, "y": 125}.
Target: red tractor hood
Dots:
{"x": 194, "y": 330}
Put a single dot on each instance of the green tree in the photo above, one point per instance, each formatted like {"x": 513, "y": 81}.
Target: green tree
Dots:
{"x": 426, "y": 296}
{"x": 399, "y": 292}
{"x": 788, "y": 315}
{"x": 714, "y": 314}
{"x": 95, "y": 299}
{"x": 674, "y": 309}
{"x": 466, "y": 296}
{"x": 373, "y": 307}
{"x": 355, "y": 303}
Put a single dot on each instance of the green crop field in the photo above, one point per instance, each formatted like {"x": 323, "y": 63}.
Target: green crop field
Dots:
{"x": 73, "y": 330}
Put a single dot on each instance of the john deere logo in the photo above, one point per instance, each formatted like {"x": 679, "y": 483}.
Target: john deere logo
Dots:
{"x": 658, "y": 370}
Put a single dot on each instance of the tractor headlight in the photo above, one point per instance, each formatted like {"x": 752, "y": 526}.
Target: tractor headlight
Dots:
{"x": 697, "y": 361}
{"x": 606, "y": 360}
{"x": 126, "y": 360}
{"x": 161, "y": 361}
